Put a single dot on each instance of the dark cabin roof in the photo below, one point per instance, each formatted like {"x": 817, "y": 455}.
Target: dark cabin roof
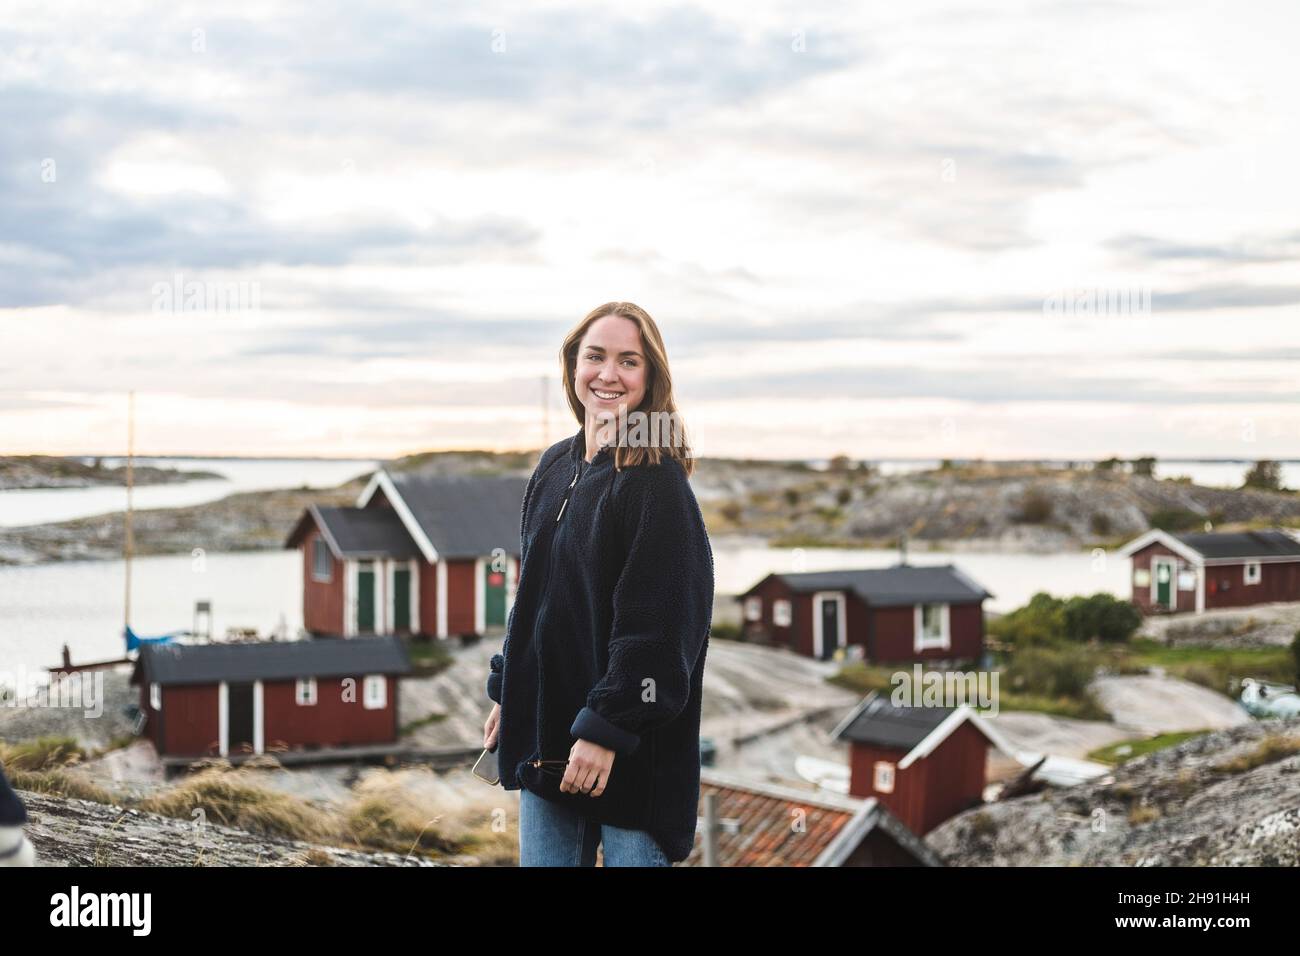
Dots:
{"x": 900, "y": 585}
{"x": 879, "y": 722}
{"x": 358, "y": 532}
{"x": 272, "y": 660}
{"x": 465, "y": 516}
{"x": 1244, "y": 544}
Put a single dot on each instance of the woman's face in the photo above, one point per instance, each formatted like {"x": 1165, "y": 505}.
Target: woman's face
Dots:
{"x": 611, "y": 369}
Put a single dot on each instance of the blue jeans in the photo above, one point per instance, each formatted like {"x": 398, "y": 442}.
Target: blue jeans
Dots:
{"x": 555, "y": 835}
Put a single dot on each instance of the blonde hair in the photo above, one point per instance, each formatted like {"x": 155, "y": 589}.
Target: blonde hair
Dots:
{"x": 658, "y": 392}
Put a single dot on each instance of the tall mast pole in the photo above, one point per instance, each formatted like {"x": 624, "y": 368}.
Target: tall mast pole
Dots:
{"x": 128, "y": 541}
{"x": 546, "y": 420}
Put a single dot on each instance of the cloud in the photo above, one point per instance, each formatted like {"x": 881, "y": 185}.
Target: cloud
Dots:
{"x": 1278, "y": 248}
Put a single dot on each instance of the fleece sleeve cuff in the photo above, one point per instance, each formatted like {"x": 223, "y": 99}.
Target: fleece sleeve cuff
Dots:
{"x": 494, "y": 678}
{"x": 589, "y": 725}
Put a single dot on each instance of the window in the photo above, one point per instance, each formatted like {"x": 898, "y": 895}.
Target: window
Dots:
{"x": 304, "y": 691}
{"x": 1252, "y": 572}
{"x": 781, "y": 615}
{"x": 931, "y": 626}
{"x": 1141, "y": 577}
{"x": 375, "y": 696}
{"x": 884, "y": 777}
{"x": 322, "y": 562}
{"x": 753, "y": 609}
{"x": 155, "y": 696}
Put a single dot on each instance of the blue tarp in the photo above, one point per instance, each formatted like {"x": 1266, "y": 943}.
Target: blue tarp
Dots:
{"x": 134, "y": 642}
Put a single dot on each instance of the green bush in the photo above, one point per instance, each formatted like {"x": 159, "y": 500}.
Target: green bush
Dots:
{"x": 1055, "y": 672}
{"x": 1264, "y": 475}
{"x": 1041, "y": 621}
{"x": 1175, "y": 519}
{"x": 1102, "y": 616}
{"x": 1035, "y": 508}
{"x": 1295, "y": 653}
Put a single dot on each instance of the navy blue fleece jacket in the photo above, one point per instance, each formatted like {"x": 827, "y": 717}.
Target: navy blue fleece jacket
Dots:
{"x": 607, "y": 638}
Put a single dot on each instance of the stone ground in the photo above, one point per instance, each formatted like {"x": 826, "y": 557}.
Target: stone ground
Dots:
{"x": 70, "y": 832}
{"x": 1265, "y": 625}
{"x": 1173, "y": 807}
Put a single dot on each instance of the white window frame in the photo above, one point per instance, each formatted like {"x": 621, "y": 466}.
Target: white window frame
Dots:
{"x": 883, "y": 777}
{"x": 374, "y": 695}
{"x": 307, "y": 684}
{"x": 1246, "y": 575}
{"x": 754, "y": 608}
{"x": 944, "y": 639}
{"x": 155, "y": 695}
{"x": 321, "y": 546}
{"x": 782, "y": 613}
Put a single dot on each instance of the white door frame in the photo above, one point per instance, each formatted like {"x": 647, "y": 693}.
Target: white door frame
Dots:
{"x": 818, "y": 637}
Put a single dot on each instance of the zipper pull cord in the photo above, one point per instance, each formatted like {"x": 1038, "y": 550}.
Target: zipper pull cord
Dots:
{"x": 576, "y": 471}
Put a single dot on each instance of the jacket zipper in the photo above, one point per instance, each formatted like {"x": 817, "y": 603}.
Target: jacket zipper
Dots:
{"x": 577, "y": 473}
{"x": 545, "y": 593}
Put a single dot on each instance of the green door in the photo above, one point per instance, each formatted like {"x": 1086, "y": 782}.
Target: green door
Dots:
{"x": 1164, "y": 584}
{"x": 366, "y": 600}
{"x": 402, "y": 600}
{"x": 494, "y": 597}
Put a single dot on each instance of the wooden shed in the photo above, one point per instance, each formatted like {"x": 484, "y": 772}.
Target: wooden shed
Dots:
{"x": 925, "y": 764}
{"x": 219, "y": 699}
{"x": 434, "y": 555}
{"x": 901, "y": 613}
{"x": 1197, "y": 572}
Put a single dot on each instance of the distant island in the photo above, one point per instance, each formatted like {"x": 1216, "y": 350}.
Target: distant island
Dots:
{"x": 18, "y": 472}
{"x": 985, "y": 506}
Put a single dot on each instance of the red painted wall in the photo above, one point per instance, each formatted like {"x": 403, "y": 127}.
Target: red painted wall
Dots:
{"x": 1225, "y": 585}
{"x": 188, "y": 724}
{"x": 460, "y": 597}
{"x": 322, "y": 602}
{"x": 331, "y": 721}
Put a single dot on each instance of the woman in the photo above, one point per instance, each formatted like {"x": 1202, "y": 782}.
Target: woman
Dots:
{"x": 598, "y": 688}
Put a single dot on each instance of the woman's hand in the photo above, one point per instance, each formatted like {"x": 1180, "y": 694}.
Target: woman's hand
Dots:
{"x": 588, "y": 769}
{"x": 490, "y": 727}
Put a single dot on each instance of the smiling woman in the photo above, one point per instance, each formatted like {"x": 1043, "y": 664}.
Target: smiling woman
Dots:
{"x": 599, "y": 684}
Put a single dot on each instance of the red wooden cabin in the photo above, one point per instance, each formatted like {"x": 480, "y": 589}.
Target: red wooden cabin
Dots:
{"x": 902, "y": 613}
{"x": 434, "y": 555}
{"x": 925, "y": 764}
{"x": 1196, "y": 572}
{"x": 219, "y": 699}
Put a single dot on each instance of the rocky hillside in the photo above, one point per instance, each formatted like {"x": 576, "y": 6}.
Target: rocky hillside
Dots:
{"x": 47, "y": 471}
{"x": 70, "y": 832}
{"x": 249, "y": 521}
{"x": 992, "y": 507}
{"x": 1229, "y": 798}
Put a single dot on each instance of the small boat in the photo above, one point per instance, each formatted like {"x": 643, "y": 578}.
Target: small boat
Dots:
{"x": 1263, "y": 699}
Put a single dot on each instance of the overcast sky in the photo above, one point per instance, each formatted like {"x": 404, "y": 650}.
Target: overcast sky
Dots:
{"x": 869, "y": 229}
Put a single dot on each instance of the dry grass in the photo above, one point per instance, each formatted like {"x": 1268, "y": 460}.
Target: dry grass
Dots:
{"x": 231, "y": 798}
{"x": 1272, "y": 748}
